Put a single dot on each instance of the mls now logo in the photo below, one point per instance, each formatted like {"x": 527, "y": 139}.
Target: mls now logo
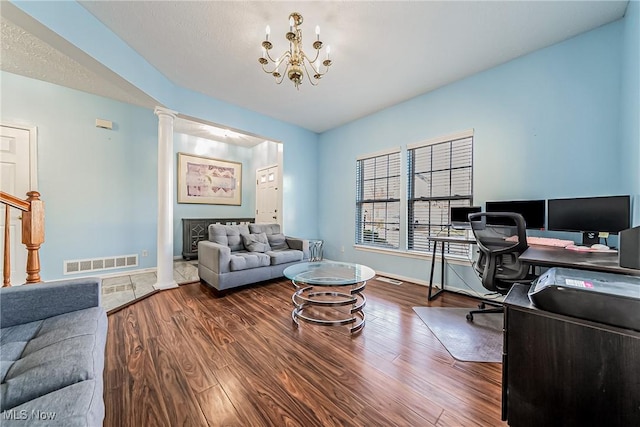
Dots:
{"x": 23, "y": 415}
{"x": 43, "y": 415}
{"x": 12, "y": 414}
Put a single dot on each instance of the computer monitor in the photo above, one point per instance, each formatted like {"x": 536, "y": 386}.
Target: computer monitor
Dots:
{"x": 590, "y": 215}
{"x": 533, "y": 211}
{"x": 459, "y": 216}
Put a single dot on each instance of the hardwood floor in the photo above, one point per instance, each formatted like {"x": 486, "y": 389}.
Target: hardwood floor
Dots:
{"x": 184, "y": 357}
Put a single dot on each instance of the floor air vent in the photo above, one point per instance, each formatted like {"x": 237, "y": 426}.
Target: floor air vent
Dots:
{"x": 388, "y": 280}
{"x": 99, "y": 264}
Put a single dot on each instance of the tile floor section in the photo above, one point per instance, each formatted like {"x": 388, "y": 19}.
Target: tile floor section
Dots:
{"x": 119, "y": 290}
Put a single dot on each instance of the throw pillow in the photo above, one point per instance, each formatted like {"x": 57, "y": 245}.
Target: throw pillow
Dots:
{"x": 277, "y": 241}
{"x": 256, "y": 242}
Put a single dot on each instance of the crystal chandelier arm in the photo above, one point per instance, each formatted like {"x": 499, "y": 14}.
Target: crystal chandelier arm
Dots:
{"x": 277, "y": 63}
{"x": 315, "y": 64}
{"x": 284, "y": 55}
{"x": 311, "y": 77}
{"x": 314, "y": 59}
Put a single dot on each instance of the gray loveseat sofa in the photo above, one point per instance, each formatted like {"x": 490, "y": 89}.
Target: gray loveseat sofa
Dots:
{"x": 52, "y": 344}
{"x": 237, "y": 255}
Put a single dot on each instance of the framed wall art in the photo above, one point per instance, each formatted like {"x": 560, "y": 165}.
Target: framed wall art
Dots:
{"x": 209, "y": 181}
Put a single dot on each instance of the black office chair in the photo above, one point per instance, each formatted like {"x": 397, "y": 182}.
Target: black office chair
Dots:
{"x": 501, "y": 238}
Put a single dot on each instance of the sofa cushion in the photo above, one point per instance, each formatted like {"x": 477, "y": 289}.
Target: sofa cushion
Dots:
{"x": 228, "y": 235}
{"x": 66, "y": 349}
{"x": 284, "y": 256}
{"x": 264, "y": 228}
{"x": 246, "y": 260}
{"x": 78, "y": 405}
{"x": 277, "y": 241}
{"x": 256, "y": 242}
{"x": 13, "y": 340}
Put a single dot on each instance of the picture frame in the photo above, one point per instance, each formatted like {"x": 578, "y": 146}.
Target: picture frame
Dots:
{"x": 209, "y": 181}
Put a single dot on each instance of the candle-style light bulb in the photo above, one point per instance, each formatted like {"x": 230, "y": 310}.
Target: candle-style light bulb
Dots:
{"x": 264, "y": 52}
{"x": 291, "y": 24}
{"x": 268, "y": 31}
{"x": 328, "y": 51}
{"x": 317, "y": 32}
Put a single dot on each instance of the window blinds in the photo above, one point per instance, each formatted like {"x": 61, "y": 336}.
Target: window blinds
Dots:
{"x": 378, "y": 200}
{"x": 440, "y": 176}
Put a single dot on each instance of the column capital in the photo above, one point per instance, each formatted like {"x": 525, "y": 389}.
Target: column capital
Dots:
{"x": 158, "y": 111}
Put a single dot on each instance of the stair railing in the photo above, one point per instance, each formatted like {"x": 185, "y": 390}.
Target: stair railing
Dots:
{"x": 32, "y": 233}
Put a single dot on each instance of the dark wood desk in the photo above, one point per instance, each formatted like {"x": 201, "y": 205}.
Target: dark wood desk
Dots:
{"x": 549, "y": 256}
{"x": 442, "y": 240}
{"x": 564, "y": 371}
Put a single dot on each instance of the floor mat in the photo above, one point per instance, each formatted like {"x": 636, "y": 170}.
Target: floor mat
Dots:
{"x": 477, "y": 341}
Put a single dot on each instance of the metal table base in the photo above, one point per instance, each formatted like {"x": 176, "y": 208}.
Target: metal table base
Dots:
{"x": 319, "y": 297}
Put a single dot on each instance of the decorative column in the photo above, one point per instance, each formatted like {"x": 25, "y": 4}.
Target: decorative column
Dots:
{"x": 165, "y": 198}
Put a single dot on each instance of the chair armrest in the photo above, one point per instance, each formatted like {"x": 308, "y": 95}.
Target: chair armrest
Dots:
{"x": 28, "y": 303}
{"x": 299, "y": 244}
{"x": 214, "y": 256}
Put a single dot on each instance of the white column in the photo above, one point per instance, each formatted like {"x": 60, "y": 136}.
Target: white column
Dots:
{"x": 165, "y": 199}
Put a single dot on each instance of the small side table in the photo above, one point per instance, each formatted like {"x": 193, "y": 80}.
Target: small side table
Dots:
{"x": 315, "y": 250}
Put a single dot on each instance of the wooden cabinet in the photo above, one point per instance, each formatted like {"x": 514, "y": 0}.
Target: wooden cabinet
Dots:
{"x": 196, "y": 229}
{"x": 564, "y": 371}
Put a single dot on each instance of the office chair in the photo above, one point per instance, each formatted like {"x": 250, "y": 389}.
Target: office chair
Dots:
{"x": 501, "y": 238}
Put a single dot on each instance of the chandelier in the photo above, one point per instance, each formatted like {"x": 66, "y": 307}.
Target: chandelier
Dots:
{"x": 296, "y": 63}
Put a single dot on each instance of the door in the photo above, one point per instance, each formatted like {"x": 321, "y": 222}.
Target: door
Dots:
{"x": 15, "y": 177}
{"x": 267, "y": 194}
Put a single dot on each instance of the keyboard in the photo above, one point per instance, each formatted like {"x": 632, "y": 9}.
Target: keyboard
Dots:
{"x": 544, "y": 241}
{"x": 548, "y": 241}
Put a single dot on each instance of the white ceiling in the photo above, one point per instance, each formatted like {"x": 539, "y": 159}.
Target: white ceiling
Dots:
{"x": 383, "y": 52}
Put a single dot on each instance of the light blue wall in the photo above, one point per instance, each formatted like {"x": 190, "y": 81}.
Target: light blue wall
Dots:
{"x": 300, "y": 147}
{"x": 99, "y": 186}
{"x": 76, "y": 25}
{"x": 546, "y": 125}
{"x": 630, "y": 111}
{"x": 217, "y": 150}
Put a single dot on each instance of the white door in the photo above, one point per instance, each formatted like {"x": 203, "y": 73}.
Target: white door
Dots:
{"x": 15, "y": 176}
{"x": 267, "y": 195}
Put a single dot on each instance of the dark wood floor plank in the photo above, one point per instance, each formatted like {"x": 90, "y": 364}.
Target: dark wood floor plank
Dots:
{"x": 188, "y": 357}
{"x": 191, "y": 342}
{"x": 217, "y": 408}
{"x": 142, "y": 384}
{"x": 179, "y": 399}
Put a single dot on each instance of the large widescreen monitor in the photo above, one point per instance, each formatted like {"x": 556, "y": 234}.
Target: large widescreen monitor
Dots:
{"x": 533, "y": 211}
{"x": 610, "y": 214}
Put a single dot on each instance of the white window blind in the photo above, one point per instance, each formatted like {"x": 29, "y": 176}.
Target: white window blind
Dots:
{"x": 440, "y": 176}
{"x": 378, "y": 200}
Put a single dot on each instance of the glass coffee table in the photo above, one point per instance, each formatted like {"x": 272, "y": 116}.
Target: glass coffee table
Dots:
{"x": 329, "y": 293}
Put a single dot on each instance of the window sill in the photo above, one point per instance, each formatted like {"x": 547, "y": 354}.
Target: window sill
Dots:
{"x": 454, "y": 259}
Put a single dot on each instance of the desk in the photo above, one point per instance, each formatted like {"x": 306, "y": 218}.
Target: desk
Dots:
{"x": 561, "y": 370}
{"x": 550, "y": 256}
{"x": 442, "y": 240}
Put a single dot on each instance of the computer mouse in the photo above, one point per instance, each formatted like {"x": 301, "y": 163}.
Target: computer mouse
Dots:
{"x": 599, "y": 247}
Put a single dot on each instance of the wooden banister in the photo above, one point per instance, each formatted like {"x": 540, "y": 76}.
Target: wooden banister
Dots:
{"x": 32, "y": 233}
{"x": 14, "y": 202}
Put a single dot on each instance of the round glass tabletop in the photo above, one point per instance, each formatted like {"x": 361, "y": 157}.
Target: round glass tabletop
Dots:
{"x": 329, "y": 273}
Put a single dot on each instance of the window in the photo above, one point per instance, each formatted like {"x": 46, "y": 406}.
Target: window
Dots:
{"x": 440, "y": 176}
{"x": 378, "y": 200}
